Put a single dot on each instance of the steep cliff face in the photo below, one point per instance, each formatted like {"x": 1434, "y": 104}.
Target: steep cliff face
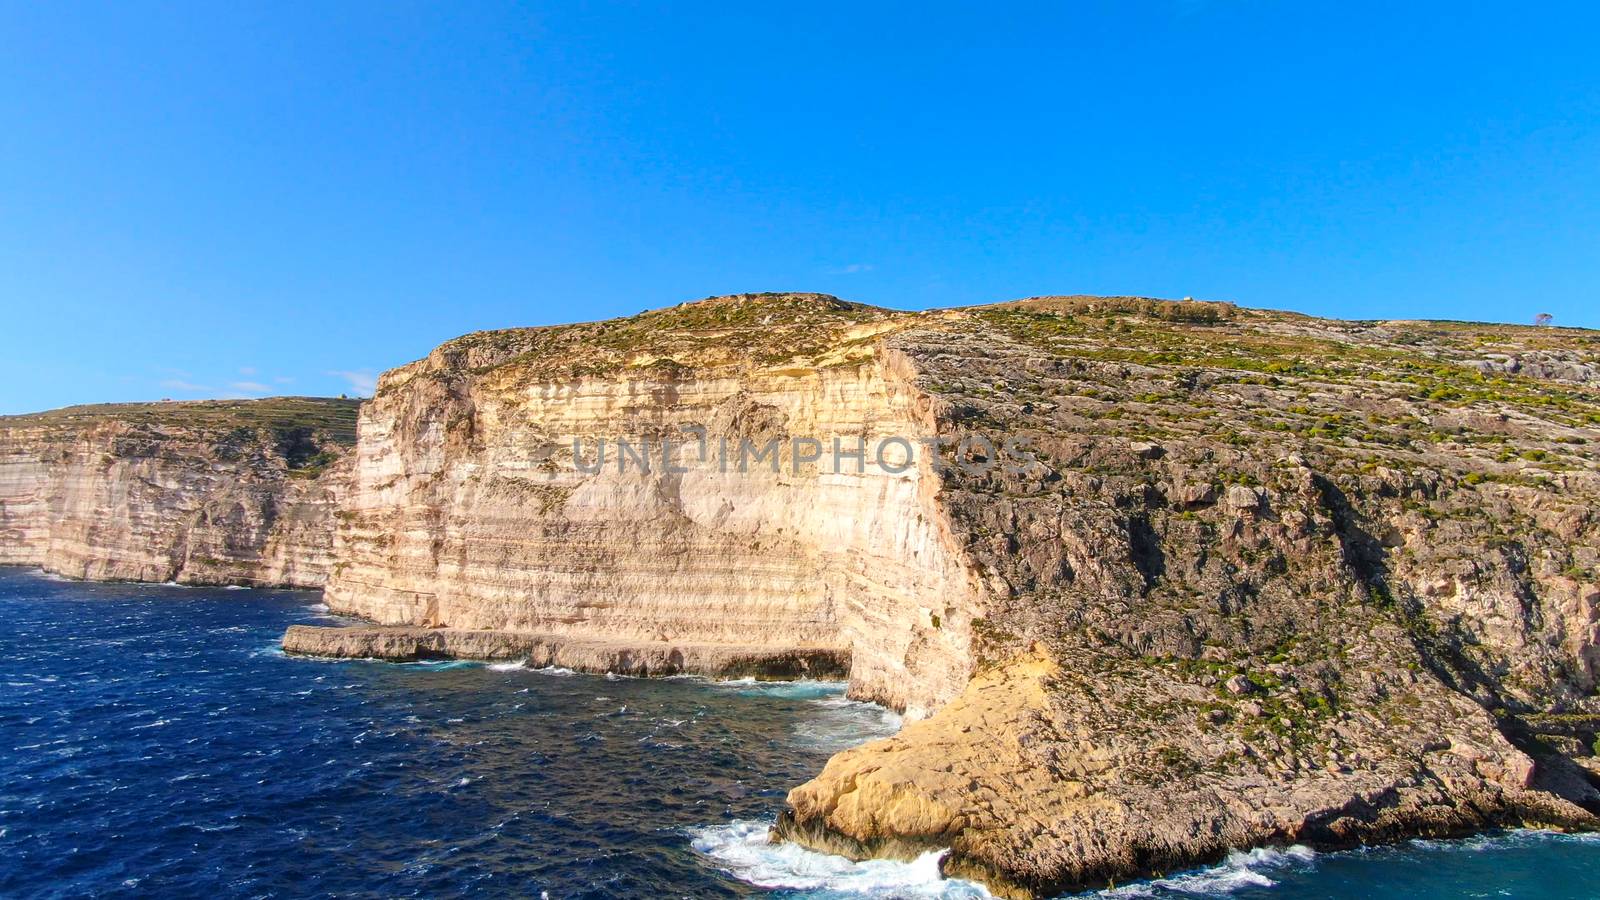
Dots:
{"x": 1276, "y": 579}
{"x": 1248, "y": 577}
{"x": 215, "y": 492}
{"x": 469, "y": 509}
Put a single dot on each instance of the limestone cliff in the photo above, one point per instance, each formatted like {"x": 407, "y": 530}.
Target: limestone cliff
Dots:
{"x": 469, "y": 510}
{"x": 1266, "y": 578}
{"x": 210, "y": 492}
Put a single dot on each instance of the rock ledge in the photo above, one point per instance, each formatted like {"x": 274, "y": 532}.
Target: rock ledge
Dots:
{"x": 641, "y": 659}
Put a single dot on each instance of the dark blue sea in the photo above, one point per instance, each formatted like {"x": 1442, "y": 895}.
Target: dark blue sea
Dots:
{"x": 154, "y": 742}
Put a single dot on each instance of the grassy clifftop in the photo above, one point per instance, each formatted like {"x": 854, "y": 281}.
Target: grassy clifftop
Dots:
{"x": 768, "y": 329}
{"x": 334, "y": 417}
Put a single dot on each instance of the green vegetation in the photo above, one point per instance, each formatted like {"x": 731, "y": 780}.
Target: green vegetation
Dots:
{"x": 768, "y": 329}
{"x": 336, "y": 418}
{"x": 1162, "y": 336}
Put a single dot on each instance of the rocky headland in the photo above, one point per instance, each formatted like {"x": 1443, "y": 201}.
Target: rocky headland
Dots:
{"x": 1150, "y": 579}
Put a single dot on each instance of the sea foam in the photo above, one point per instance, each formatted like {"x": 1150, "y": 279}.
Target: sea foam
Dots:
{"x": 741, "y": 849}
{"x": 1242, "y": 869}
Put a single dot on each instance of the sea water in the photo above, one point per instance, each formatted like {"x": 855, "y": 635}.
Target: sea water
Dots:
{"x": 154, "y": 740}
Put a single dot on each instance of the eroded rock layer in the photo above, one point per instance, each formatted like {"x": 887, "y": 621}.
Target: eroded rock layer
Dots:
{"x": 469, "y": 509}
{"x": 215, "y": 492}
{"x": 652, "y": 659}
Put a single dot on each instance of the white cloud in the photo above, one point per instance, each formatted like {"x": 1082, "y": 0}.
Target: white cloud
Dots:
{"x": 852, "y": 269}
{"x": 253, "y": 387}
{"x": 178, "y": 384}
{"x": 283, "y": 379}
{"x": 363, "y": 382}
{"x": 247, "y": 371}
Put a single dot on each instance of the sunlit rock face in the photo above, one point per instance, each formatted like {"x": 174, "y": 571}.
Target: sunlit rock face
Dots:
{"x": 206, "y": 493}
{"x": 469, "y": 509}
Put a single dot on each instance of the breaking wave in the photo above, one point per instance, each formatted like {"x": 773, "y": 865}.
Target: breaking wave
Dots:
{"x": 741, "y": 849}
{"x": 1242, "y": 869}
{"x": 803, "y": 689}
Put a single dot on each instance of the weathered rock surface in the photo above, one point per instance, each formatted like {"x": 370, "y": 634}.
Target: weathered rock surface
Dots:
{"x": 213, "y": 492}
{"x": 469, "y": 510}
{"x": 1304, "y": 619}
{"x": 653, "y": 659}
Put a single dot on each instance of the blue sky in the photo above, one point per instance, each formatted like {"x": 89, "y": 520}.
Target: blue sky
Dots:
{"x": 248, "y": 199}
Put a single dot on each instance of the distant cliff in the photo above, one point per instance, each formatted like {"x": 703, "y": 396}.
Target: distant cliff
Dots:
{"x": 211, "y": 492}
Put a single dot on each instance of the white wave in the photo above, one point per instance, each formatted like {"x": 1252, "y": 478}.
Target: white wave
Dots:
{"x": 888, "y": 720}
{"x": 237, "y": 587}
{"x": 741, "y": 849}
{"x": 800, "y": 689}
{"x": 508, "y": 666}
{"x": 839, "y": 723}
{"x": 440, "y": 665}
{"x": 1479, "y": 843}
{"x": 1242, "y": 869}
{"x": 559, "y": 671}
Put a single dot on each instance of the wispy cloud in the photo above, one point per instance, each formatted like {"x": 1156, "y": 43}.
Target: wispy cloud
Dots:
{"x": 188, "y": 387}
{"x": 362, "y": 381}
{"x": 851, "y": 269}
